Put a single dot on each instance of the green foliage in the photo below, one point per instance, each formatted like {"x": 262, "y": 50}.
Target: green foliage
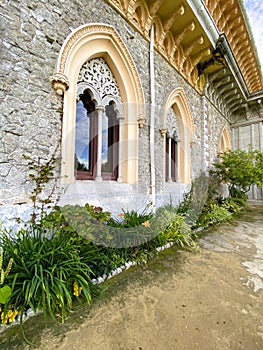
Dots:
{"x": 41, "y": 173}
{"x": 240, "y": 170}
{"x": 234, "y": 205}
{"x": 45, "y": 267}
{"x": 175, "y": 228}
{"x": 203, "y": 189}
{"x": 5, "y": 291}
{"x": 56, "y": 258}
{"x": 131, "y": 218}
{"x": 212, "y": 214}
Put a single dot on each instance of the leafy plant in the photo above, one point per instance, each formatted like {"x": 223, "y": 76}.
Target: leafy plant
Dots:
{"x": 5, "y": 291}
{"x": 41, "y": 173}
{"x": 131, "y": 218}
{"x": 212, "y": 214}
{"x": 46, "y": 265}
{"x": 233, "y": 205}
{"x": 175, "y": 228}
{"x": 240, "y": 170}
{"x": 8, "y": 314}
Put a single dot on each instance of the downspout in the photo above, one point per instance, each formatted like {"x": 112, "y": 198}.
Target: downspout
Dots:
{"x": 152, "y": 119}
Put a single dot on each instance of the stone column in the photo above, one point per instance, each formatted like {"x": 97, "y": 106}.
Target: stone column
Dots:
{"x": 170, "y": 158}
{"x": 120, "y": 150}
{"x": 100, "y": 110}
{"x": 177, "y": 172}
{"x": 163, "y": 132}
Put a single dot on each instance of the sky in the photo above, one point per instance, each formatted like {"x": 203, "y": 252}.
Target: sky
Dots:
{"x": 255, "y": 13}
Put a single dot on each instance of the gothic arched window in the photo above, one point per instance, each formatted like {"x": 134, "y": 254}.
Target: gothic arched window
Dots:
{"x": 97, "y": 132}
{"x": 172, "y": 148}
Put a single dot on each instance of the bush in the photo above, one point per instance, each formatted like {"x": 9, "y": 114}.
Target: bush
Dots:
{"x": 240, "y": 170}
{"x": 49, "y": 269}
{"x": 175, "y": 229}
{"x": 212, "y": 214}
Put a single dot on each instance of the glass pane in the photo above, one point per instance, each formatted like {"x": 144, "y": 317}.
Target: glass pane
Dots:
{"x": 173, "y": 158}
{"x": 82, "y": 138}
{"x": 109, "y": 141}
{"x": 105, "y": 132}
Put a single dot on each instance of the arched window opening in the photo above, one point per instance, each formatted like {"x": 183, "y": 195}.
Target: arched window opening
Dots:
{"x": 172, "y": 158}
{"x": 97, "y": 131}
{"x": 224, "y": 141}
{"x": 172, "y": 148}
{"x": 110, "y": 140}
{"x": 179, "y": 135}
{"x": 100, "y": 43}
{"x": 85, "y": 134}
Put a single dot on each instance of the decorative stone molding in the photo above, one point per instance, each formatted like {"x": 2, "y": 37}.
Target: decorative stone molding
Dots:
{"x": 98, "y": 41}
{"x": 228, "y": 16}
{"x": 60, "y": 83}
{"x": 97, "y": 74}
{"x": 163, "y": 131}
{"x": 83, "y": 34}
{"x": 141, "y": 121}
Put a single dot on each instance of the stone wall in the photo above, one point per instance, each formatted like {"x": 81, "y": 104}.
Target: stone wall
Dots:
{"x": 31, "y": 111}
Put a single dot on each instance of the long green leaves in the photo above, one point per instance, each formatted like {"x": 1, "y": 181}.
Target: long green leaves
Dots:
{"x": 46, "y": 265}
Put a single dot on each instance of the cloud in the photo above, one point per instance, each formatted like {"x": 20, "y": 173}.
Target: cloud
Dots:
{"x": 255, "y": 14}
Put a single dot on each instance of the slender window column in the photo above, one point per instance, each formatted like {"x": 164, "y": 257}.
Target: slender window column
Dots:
{"x": 163, "y": 132}
{"x": 261, "y": 136}
{"x": 177, "y": 172}
{"x": 100, "y": 110}
{"x": 170, "y": 159}
{"x": 120, "y": 151}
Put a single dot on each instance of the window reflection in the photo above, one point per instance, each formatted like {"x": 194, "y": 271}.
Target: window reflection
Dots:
{"x": 82, "y": 137}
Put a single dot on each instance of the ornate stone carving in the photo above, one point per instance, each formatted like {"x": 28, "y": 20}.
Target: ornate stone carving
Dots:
{"x": 97, "y": 74}
{"x": 163, "y": 130}
{"x": 141, "y": 121}
{"x": 60, "y": 83}
{"x": 97, "y": 29}
{"x": 171, "y": 123}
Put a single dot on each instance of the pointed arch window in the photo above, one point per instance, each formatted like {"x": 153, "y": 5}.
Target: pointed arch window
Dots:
{"x": 172, "y": 158}
{"x": 98, "y": 118}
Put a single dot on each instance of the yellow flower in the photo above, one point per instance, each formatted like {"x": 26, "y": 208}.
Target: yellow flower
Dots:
{"x": 4, "y": 318}
{"x": 9, "y": 316}
{"x": 76, "y": 289}
{"x": 146, "y": 224}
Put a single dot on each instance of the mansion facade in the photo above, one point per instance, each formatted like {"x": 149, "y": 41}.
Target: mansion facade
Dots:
{"x": 131, "y": 99}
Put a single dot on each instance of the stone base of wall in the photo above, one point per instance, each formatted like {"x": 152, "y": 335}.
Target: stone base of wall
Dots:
{"x": 13, "y": 217}
{"x": 111, "y": 196}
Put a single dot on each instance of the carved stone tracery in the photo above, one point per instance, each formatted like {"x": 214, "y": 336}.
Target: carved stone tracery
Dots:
{"x": 97, "y": 74}
{"x": 172, "y": 124}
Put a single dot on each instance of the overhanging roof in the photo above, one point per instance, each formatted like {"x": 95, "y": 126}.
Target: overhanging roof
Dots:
{"x": 200, "y": 38}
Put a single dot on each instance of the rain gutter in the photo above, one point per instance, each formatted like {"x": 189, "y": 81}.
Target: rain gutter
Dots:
{"x": 219, "y": 40}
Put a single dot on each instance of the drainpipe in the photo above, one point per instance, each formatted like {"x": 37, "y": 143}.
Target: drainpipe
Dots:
{"x": 152, "y": 118}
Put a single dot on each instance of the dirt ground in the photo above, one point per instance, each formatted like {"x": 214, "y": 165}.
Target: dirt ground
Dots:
{"x": 211, "y": 299}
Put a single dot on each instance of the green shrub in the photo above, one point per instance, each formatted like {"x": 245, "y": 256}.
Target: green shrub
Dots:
{"x": 47, "y": 267}
{"x": 175, "y": 229}
{"x": 212, "y": 214}
{"x": 234, "y": 205}
{"x": 240, "y": 170}
{"x": 131, "y": 218}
